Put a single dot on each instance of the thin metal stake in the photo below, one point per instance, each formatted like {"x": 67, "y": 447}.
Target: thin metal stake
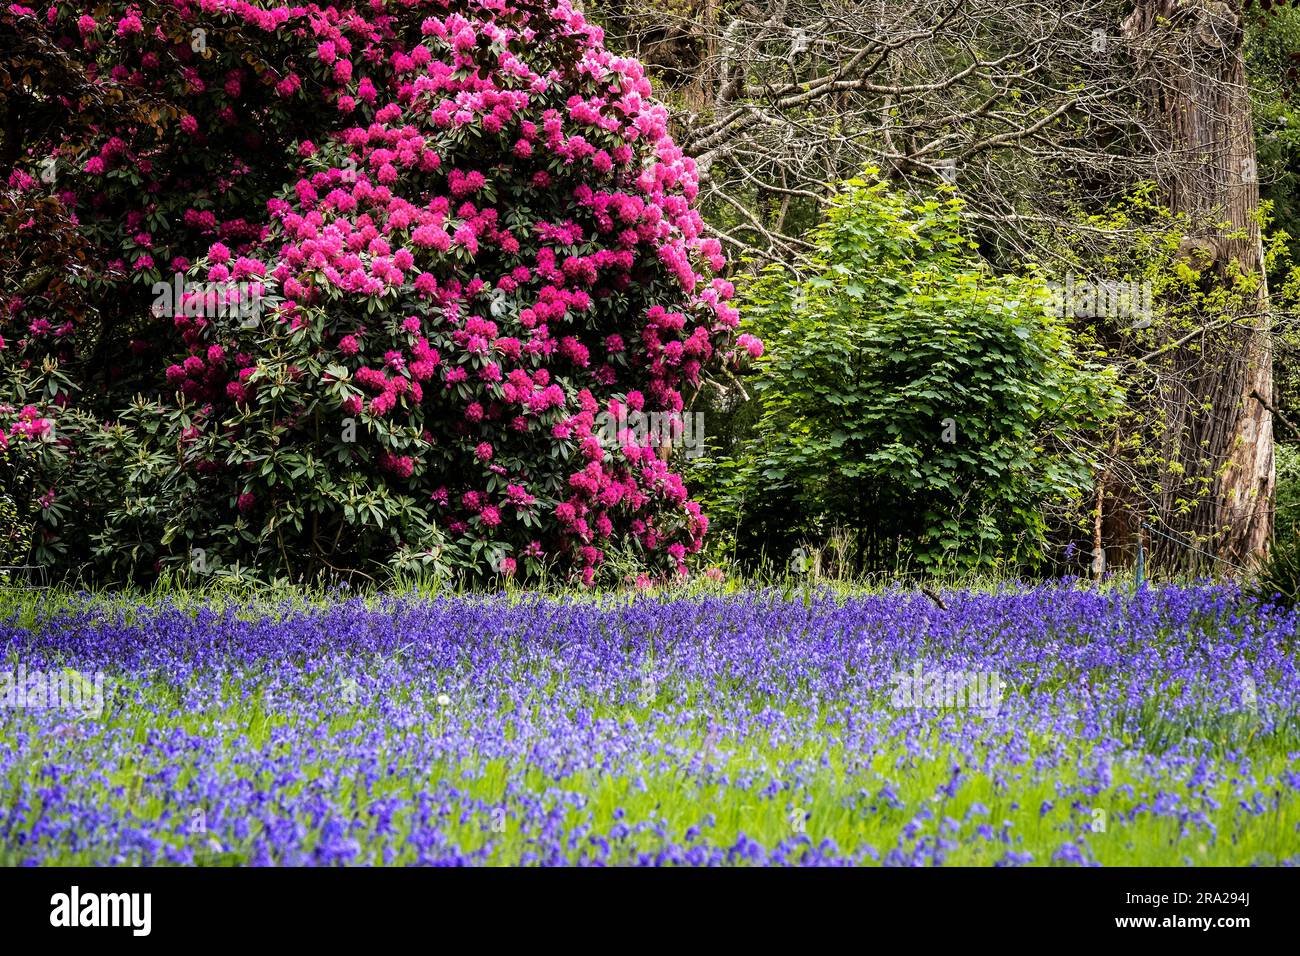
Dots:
{"x": 1141, "y": 560}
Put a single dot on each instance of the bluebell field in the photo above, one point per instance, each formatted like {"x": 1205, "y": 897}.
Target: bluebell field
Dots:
{"x": 1048, "y": 725}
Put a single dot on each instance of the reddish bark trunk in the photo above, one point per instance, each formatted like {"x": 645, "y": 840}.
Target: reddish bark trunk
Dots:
{"x": 1219, "y": 434}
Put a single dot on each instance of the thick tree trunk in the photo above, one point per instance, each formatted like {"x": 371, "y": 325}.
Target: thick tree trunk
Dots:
{"x": 1216, "y": 493}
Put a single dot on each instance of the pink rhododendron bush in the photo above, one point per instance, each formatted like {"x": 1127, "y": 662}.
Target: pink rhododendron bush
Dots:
{"x": 367, "y": 283}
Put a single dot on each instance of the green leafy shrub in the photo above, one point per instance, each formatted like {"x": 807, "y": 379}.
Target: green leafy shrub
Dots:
{"x": 15, "y": 532}
{"x": 1279, "y": 576}
{"x": 931, "y": 410}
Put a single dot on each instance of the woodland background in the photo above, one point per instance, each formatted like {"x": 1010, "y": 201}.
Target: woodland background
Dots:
{"x": 897, "y": 188}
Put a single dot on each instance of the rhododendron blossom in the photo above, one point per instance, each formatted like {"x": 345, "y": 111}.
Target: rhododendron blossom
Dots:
{"x": 476, "y": 251}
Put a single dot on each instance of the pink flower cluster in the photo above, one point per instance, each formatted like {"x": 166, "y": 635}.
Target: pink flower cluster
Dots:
{"x": 493, "y": 247}
{"x": 29, "y": 425}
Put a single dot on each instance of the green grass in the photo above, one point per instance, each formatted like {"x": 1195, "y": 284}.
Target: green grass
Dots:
{"x": 837, "y": 800}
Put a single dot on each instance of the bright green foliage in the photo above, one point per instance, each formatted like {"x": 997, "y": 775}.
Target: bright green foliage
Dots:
{"x": 911, "y": 398}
